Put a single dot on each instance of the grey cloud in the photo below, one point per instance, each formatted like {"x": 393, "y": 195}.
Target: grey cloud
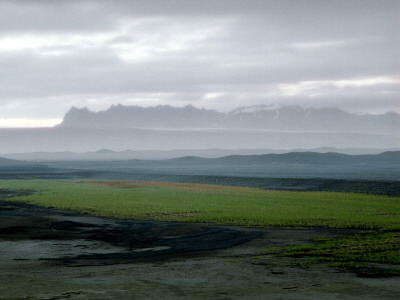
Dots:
{"x": 100, "y": 71}
{"x": 122, "y": 39}
{"x": 312, "y": 16}
{"x": 51, "y": 16}
{"x": 254, "y": 47}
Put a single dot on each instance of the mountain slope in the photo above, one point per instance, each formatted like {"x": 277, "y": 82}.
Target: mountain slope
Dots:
{"x": 305, "y": 158}
{"x": 6, "y": 163}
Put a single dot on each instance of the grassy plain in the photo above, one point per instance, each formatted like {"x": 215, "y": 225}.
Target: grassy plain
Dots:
{"x": 375, "y": 251}
{"x": 213, "y": 204}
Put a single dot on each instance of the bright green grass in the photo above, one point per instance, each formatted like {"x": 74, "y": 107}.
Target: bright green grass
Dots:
{"x": 383, "y": 247}
{"x": 213, "y": 204}
{"x": 372, "y": 254}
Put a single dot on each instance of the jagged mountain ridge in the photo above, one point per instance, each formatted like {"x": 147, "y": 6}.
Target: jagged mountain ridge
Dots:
{"x": 262, "y": 117}
{"x": 163, "y": 116}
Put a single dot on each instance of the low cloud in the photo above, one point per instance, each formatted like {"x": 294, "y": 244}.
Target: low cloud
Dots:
{"x": 214, "y": 54}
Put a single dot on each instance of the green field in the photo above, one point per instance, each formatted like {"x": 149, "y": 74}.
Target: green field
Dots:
{"x": 213, "y": 204}
{"x": 374, "y": 251}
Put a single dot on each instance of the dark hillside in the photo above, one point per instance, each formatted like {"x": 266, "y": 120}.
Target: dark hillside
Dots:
{"x": 7, "y": 165}
{"x": 306, "y": 158}
{"x": 5, "y": 162}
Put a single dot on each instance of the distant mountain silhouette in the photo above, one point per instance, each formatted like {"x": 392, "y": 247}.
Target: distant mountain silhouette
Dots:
{"x": 303, "y": 158}
{"x": 262, "y": 117}
{"x": 383, "y": 166}
{"x": 105, "y": 151}
{"x": 163, "y": 116}
{"x": 107, "y": 154}
{"x": 6, "y": 163}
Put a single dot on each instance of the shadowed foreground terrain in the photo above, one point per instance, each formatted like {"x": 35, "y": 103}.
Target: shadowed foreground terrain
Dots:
{"x": 84, "y": 257}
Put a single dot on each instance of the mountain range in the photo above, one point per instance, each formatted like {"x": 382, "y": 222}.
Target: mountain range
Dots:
{"x": 383, "y": 166}
{"x": 165, "y": 128}
{"x": 262, "y": 117}
{"x": 107, "y": 154}
{"x": 298, "y": 158}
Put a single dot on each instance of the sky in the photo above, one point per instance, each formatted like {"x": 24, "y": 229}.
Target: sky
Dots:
{"x": 218, "y": 54}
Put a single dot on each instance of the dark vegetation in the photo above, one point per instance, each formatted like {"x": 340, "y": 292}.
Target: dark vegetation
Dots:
{"x": 46, "y": 173}
{"x": 373, "y": 187}
{"x": 298, "y": 171}
{"x": 384, "y": 166}
{"x": 369, "y": 254}
{"x": 7, "y": 193}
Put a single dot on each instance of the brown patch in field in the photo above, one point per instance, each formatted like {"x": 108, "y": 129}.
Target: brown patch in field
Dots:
{"x": 115, "y": 184}
{"x": 191, "y": 186}
{"x": 143, "y": 184}
{"x": 172, "y": 214}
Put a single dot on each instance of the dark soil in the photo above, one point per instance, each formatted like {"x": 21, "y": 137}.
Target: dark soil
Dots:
{"x": 50, "y": 254}
{"x": 133, "y": 239}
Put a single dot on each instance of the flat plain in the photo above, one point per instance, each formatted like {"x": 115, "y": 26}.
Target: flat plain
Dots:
{"x": 146, "y": 239}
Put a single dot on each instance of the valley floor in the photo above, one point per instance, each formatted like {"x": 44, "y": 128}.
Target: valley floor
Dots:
{"x": 50, "y": 254}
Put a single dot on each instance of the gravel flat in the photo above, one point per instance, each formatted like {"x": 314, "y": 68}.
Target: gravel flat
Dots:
{"x": 51, "y": 254}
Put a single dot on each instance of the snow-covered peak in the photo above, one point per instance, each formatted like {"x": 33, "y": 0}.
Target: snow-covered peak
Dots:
{"x": 256, "y": 108}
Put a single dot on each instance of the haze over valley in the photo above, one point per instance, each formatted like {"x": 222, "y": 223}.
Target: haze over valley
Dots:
{"x": 166, "y": 128}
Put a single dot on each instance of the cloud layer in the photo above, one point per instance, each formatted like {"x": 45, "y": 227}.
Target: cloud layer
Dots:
{"x": 214, "y": 54}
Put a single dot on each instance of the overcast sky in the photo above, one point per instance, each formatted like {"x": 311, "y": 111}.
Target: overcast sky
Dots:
{"x": 214, "y": 54}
